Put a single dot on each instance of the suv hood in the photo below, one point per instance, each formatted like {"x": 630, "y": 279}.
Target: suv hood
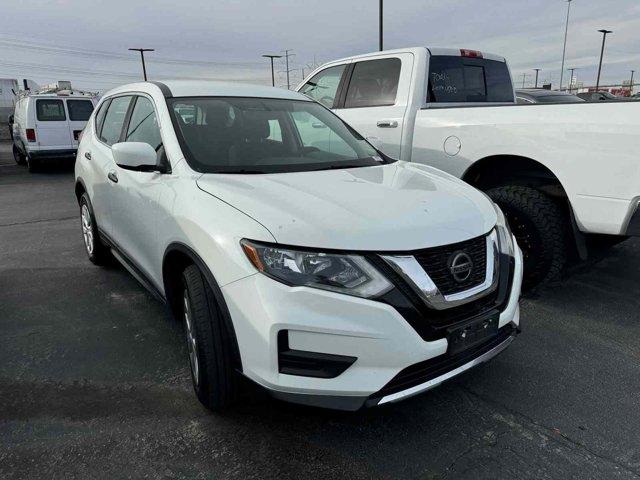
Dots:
{"x": 400, "y": 206}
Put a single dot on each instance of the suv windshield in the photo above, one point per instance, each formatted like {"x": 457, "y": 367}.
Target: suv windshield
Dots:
{"x": 259, "y": 135}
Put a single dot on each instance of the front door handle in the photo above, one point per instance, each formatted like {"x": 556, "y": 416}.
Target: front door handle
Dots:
{"x": 112, "y": 176}
{"x": 87, "y": 155}
{"x": 387, "y": 123}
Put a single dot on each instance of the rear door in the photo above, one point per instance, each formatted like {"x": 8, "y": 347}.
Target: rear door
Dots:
{"x": 375, "y": 98}
{"x": 79, "y": 110}
{"x": 52, "y": 127}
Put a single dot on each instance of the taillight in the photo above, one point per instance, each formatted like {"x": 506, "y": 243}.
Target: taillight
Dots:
{"x": 470, "y": 53}
{"x": 31, "y": 135}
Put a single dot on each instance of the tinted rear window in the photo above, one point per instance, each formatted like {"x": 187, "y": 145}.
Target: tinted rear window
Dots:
{"x": 79, "y": 110}
{"x": 463, "y": 79}
{"x": 50, "y": 110}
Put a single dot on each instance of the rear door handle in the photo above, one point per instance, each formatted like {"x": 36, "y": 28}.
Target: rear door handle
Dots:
{"x": 112, "y": 176}
{"x": 387, "y": 123}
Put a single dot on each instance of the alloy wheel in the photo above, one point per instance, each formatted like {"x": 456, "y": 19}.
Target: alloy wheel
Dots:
{"x": 87, "y": 229}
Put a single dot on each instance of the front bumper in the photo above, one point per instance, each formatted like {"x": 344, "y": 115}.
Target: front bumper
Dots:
{"x": 384, "y": 343}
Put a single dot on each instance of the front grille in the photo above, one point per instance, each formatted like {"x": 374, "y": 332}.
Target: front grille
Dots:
{"x": 437, "y": 263}
{"x": 424, "y": 371}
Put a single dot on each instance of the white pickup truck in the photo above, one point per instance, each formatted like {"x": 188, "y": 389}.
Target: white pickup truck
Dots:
{"x": 559, "y": 171}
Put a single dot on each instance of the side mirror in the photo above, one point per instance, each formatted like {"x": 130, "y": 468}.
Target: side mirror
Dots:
{"x": 137, "y": 156}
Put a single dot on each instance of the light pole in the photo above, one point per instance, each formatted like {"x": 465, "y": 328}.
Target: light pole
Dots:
{"x": 142, "y": 50}
{"x": 380, "y": 25}
{"x": 537, "y": 71}
{"x": 273, "y": 77}
{"x": 604, "y": 37}
{"x": 631, "y": 82}
{"x": 573, "y": 69}
{"x": 564, "y": 48}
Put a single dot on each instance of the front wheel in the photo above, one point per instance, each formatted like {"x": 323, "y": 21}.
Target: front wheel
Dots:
{"x": 209, "y": 343}
{"x": 540, "y": 227}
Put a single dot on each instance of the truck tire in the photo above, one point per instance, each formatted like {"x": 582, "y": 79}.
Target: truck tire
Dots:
{"x": 98, "y": 253}
{"x": 540, "y": 229}
{"x": 209, "y": 343}
{"x": 18, "y": 156}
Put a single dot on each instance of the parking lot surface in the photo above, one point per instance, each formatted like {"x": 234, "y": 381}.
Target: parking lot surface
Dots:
{"x": 94, "y": 379}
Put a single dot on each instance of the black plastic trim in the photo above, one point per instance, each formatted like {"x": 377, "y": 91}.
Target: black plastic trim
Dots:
{"x": 66, "y": 153}
{"x": 333, "y": 402}
{"x": 166, "y": 91}
{"x": 633, "y": 227}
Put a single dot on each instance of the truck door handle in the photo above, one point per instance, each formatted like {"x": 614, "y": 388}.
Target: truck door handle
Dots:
{"x": 387, "y": 123}
{"x": 112, "y": 176}
{"x": 87, "y": 155}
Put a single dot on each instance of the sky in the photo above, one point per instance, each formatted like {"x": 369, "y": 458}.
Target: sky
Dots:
{"x": 86, "y": 41}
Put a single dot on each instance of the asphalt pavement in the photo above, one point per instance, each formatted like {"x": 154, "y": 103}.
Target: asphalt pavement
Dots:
{"x": 94, "y": 379}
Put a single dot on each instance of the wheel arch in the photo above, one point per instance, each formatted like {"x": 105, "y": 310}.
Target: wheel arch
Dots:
{"x": 80, "y": 188}
{"x": 176, "y": 258}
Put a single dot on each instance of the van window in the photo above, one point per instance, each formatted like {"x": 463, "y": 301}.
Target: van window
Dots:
{"x": 79, "y": 110}
{"x": 50, "y": 110}
{"x": 114, "y": 120}
{"x": 464, "y": 79}
{"x": 374, "y": 83}
{"x": 143, "y": 126}
{"x": 322, "y": 87}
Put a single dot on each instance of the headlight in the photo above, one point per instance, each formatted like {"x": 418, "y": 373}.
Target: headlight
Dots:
{"x": 349, "y": 274}
{"x": 504, "y": 233}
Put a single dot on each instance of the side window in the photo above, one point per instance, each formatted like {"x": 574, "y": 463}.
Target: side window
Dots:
{"x": 100, "y": 115}
{"x": 79, "y": 110}
{"x": 374, "y": 83}
{"x": 323, "y": 86}
{"x": 143, "y": 125}
{"x": 50, "y": 110}
{"x": 114, "y": 119}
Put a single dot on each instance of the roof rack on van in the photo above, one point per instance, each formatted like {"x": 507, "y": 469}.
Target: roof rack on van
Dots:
{"x": 62, "y": 89}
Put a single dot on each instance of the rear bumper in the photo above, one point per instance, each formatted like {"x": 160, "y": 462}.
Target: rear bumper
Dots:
{"x": 62, "y": 153}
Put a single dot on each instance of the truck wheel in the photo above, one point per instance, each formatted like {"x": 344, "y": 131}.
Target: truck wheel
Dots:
{"x": 18, "y": 156}
{"x": 32, "y": 164}
{"x": 98, "y": 253}
{"x": 209, "y": 343}
{"x": 540, "y": 229}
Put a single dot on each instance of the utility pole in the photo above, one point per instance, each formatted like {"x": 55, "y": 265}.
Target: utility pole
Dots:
{"x": 380, "y": 26}
{"x": 564, "y": 48}
{"x": 273, "y": 77}
{"x": 537, "y": 71}
{"x": 571, "y": 78}
{"x": 288, "y": 71}
{"x": 142, "y": 50}
{"x": 631, "y": 81}
{"x": 524, "y": 78}
{"x": 604, "y": 37}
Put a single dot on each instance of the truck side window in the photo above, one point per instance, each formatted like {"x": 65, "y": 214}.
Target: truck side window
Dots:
{"x": 50, "y": 111}
{"x": 114, "y": 120}
{"x": 143, "y": 125}
{"x": 322, "y": 87}
{"x": 374, "y": 83}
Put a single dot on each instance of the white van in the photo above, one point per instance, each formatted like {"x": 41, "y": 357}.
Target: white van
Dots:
{"x": 48, "y": 125}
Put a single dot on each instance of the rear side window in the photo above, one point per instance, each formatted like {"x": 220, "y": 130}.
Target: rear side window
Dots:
{"x": 464, "y": 79}
{"x": 102, "y": 111}
{"x": 374, "y": 83}
{"x": 50, "y": 110}
{"x": 323, "y": 86}
{"x": 143, "y": 126}
{"x": 114, "y": 119}
{"x": 79, "y": 110}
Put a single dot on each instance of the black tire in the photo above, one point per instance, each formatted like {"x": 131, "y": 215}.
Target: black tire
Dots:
{"x": 18, "y": 156}
{"x": 210, "y": 342}
{"x": 99, "y": 253}
{"x": 540, "y": 228}
{"x": 32, "y": 164}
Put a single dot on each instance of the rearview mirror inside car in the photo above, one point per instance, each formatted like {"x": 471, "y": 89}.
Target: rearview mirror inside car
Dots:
{"x": 138, "y": 156}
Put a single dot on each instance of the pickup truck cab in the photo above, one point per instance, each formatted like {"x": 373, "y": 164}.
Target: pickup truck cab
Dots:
{"x": 48, "y": 125}
{"x": 560, "y": 172}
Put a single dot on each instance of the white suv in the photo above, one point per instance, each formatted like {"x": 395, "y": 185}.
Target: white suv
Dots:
{"x": 296, "y": 254}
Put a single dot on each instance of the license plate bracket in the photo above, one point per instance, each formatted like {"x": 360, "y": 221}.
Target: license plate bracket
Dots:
{"x": 471, "y": 334}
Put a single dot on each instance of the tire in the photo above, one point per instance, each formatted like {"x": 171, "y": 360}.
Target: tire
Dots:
{"x": 18, "y": 156}
{"x": 212, "y": 356}
{"x": 98, "y": 253}
{"x": 540, "y": 227}
{"x": 32, "y": 164}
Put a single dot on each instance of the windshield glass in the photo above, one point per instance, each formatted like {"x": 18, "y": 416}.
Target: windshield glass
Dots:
{"x": 259, "y": 135}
